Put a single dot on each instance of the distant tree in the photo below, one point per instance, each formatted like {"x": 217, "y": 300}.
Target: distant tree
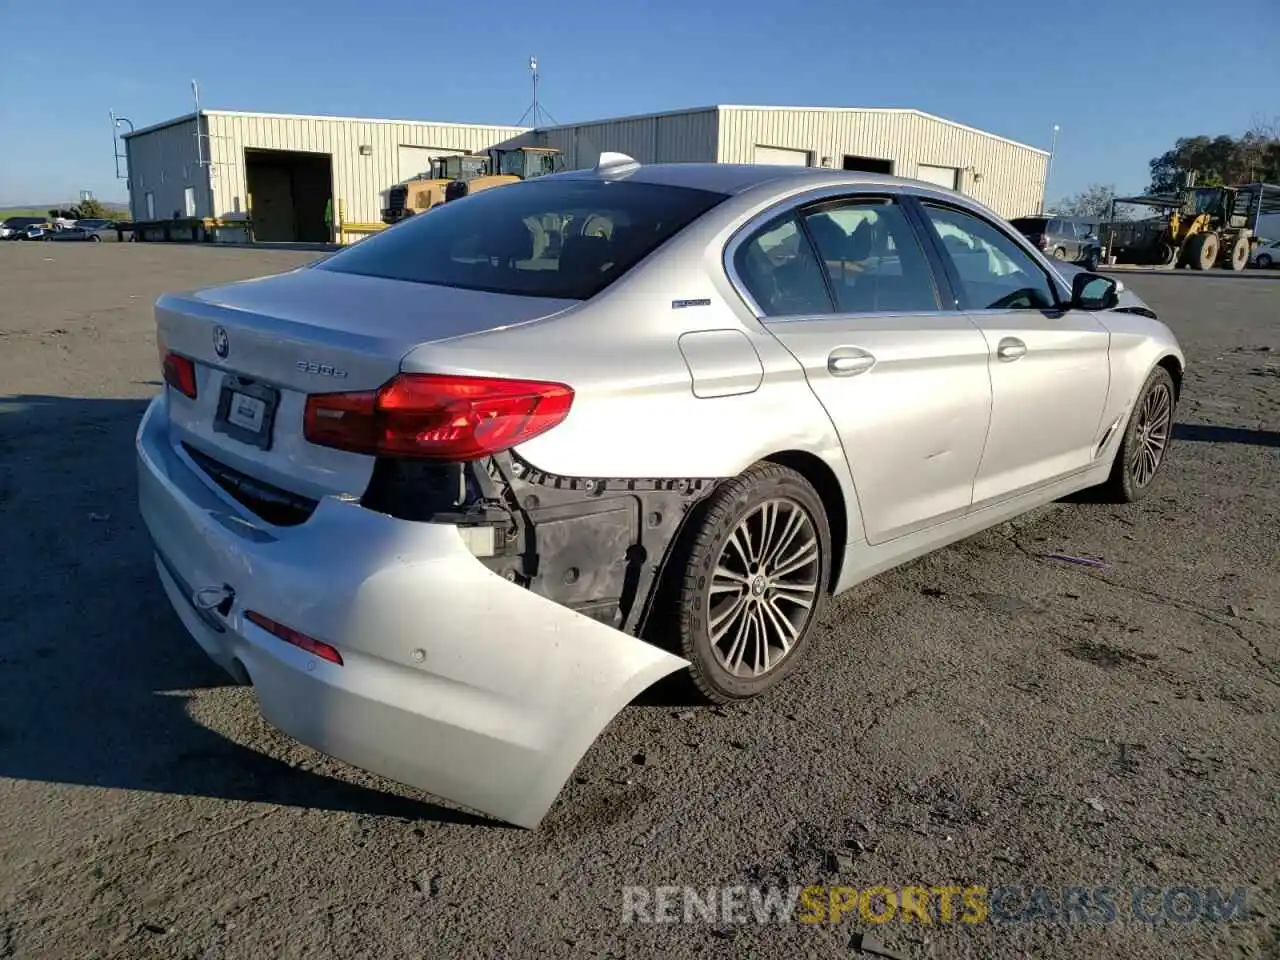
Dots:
{"x": 1220, "y": 160}
{"x": 91, "y": 209}
{"x": 86, "y": 210}
{"x": 1093, "y": 201}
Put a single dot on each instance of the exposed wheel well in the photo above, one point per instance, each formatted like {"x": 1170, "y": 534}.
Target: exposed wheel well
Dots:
{"x": 1175, "y": 371}
{"x": 824, "y": 481}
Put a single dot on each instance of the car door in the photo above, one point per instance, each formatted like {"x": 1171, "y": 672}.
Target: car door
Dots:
{"x": 1048, "y": 363}
{"x": 846, "y": 286}
{"x": 1069, "y": 241}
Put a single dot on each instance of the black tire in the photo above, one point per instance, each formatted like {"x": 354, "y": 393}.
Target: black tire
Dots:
{"x": 1239, "y": 254}
{"x": 95, "y": 239}
{"x": 1263, "y": 262}
{"x": 1202, "y": 251}
{"x": 697, "y": 600}
{"x": 1060, "y": 253}
{"x": 1126, "y": 484}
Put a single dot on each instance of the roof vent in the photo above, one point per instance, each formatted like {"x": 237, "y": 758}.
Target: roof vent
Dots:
{"x": 615, "y": 163}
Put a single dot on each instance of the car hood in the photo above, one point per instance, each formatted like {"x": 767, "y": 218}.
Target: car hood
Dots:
{"x": 1128, "y": 299}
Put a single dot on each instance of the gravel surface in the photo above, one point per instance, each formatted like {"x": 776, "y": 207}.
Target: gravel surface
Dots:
{"x": 983, "y": 717}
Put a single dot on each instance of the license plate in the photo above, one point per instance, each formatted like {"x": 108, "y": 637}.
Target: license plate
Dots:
{"x": 245, "y": 412}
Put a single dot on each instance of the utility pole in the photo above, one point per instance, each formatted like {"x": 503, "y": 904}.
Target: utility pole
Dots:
{"x": 1044, "y": 194}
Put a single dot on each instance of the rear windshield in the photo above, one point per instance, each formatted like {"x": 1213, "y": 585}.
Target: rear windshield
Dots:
{"x": 566, "y": 239}
{"x": 1030, "y": 224}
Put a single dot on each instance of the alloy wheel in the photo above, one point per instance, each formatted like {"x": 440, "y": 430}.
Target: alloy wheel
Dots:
{"x": 1152, "y": 437}
{"x": 764, "y": 588}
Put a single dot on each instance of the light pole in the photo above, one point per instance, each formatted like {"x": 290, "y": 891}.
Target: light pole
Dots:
{"x": 1044, "y": 194}
{"x": 115, "y": 141}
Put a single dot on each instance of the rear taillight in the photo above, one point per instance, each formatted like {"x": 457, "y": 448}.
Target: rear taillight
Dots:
{"x": 179, "y": 373}
{"x": 436, "y": 417}
{"x": 300, "y": 640}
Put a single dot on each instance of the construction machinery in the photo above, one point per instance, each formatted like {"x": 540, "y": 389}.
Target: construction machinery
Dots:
{"x": 457, "y": 176}
{"x": 1200, "y": 227}
{"x": 507, "y": 166}
{"x": 427, "y": 191}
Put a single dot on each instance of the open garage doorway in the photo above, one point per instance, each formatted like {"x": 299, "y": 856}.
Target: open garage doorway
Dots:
{"x": 867, "y": 164}
{"x": 289, "y": 193}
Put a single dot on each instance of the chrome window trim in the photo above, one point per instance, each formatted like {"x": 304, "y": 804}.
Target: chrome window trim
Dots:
{"x": 877, "y": 315}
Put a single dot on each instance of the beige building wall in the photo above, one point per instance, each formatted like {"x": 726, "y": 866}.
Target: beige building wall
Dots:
{"x": 366, "y": 153}
{"x": 369, "y": 156}
{"x": 1005, "y": 175}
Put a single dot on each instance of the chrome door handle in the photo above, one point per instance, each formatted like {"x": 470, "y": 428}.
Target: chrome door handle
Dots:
{"x": 849, "y": 362}
{"x": 1011, "y": 348}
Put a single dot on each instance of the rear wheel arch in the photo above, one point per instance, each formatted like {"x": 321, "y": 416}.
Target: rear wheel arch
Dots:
{"x": 823, "y": 479}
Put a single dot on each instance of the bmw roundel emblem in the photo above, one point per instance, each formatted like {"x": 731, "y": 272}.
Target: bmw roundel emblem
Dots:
{"x": 221, "y": 342}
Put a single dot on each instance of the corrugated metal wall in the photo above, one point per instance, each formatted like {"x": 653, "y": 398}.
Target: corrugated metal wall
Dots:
{"x": 660, "y": 138}
{"x": 360, "y": 182}
{"x": 1011, "y": 176}
{"x": 164, "y": 163}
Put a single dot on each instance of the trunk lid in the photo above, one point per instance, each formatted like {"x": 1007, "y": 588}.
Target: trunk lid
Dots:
{"x": 261, "y": 346}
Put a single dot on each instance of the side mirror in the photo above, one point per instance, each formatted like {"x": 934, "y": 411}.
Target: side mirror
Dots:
{"x": 1091, "y": 291}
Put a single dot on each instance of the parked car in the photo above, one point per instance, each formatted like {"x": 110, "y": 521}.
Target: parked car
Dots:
{"x": 15, "y": 228}
{"x": 1074, "y": 239}
{"x": 1266, "y": 254}
{"x": 87, "y": 230}
{"x": 452, "y": 497}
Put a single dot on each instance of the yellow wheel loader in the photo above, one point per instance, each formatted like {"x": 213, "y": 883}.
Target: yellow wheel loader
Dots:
{"x": 507, "y": 166}
{"x": 427, "y": 191}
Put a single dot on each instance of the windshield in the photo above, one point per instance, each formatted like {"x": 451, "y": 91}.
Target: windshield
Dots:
{"x": 565, "y": 239}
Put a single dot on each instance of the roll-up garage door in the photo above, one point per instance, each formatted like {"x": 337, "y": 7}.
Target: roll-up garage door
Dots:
{"x": 943, "y": 176}
{"x": 781, "y": 157}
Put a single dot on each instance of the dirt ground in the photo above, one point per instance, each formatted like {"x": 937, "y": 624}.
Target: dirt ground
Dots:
{"x": 985, "y": 717}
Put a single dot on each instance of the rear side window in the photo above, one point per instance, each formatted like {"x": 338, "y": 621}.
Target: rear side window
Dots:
{"x": 1025, "y": 225}
{"x": 565, "y": 239}
{"x": 874, "y": 262}
{"x": 778, "y": 267}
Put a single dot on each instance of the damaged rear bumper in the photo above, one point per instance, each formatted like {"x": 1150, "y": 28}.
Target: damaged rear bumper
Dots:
{"x": 453, "y": 679}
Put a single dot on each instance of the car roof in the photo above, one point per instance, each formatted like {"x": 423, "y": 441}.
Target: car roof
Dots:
{"x": 734, "y": 178}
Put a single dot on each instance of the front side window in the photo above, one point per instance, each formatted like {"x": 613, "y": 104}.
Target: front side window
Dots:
{"x": 565, "y": 239}
{"x": 995, "y": 273}
{"x": 873, "y": 260}
{"x": 780, "y": 271}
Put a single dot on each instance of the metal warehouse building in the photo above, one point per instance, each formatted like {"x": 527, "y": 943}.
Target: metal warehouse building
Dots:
{"x": 288, "y": 173}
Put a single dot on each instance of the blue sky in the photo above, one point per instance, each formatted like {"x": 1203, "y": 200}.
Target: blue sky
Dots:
{"x": 1122, "y": 84}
